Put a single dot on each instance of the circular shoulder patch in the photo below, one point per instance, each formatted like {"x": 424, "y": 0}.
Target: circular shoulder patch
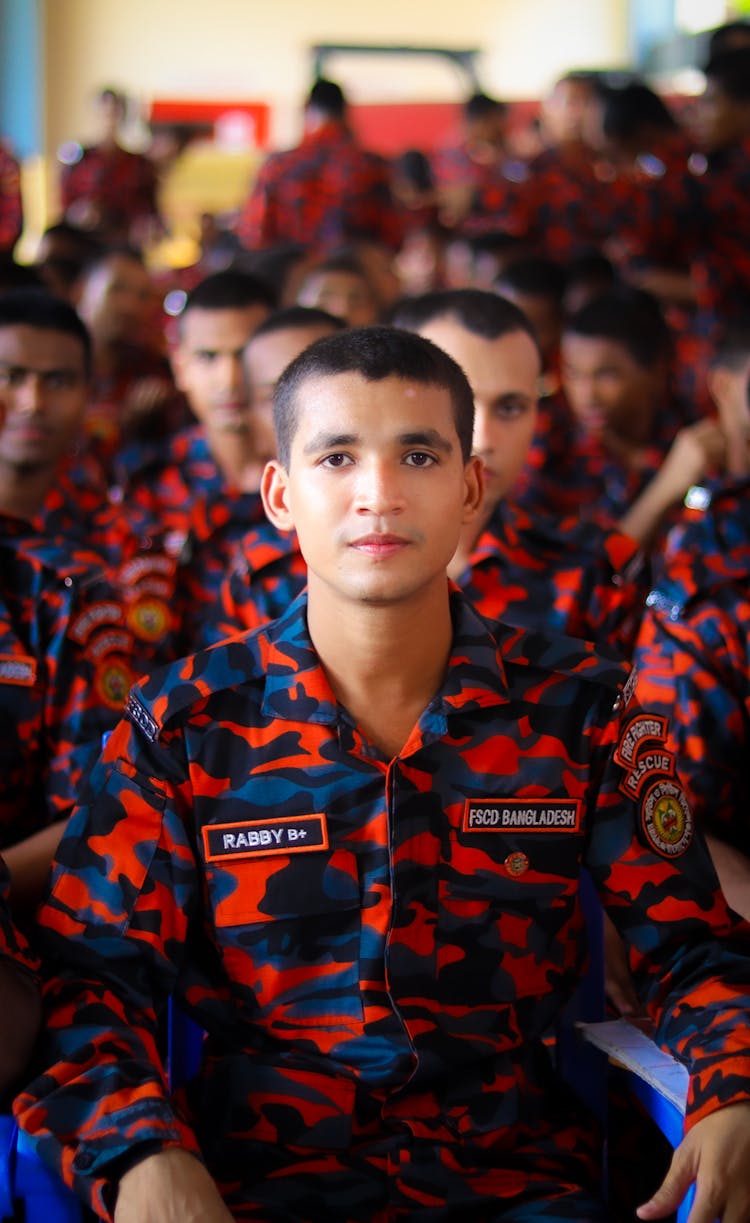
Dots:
{"x": 667, "y": 819}
{"x": 113, "y": 681}
{"x": 149, "y": 618}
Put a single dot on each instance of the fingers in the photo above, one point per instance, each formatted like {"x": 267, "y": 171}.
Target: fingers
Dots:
{"x": 671, "y": 1191}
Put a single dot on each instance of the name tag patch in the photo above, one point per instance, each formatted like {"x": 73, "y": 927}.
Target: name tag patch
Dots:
{"x": 521, "y": 815}
{"x": 286, "y": 835}
{"x": 17, "y": 669}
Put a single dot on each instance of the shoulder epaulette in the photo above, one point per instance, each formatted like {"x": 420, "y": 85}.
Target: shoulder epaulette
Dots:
{"x": 167, "y": 695}
{"x": 554, "y": 652}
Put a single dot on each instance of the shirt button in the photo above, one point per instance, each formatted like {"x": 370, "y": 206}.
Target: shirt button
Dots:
{"x": 516, "y": 864}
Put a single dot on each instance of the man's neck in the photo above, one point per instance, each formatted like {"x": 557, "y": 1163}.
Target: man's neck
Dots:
{"x": 23, "y": 492}
{"x": 235, "y": 457}
{"x": 384, "y": 663}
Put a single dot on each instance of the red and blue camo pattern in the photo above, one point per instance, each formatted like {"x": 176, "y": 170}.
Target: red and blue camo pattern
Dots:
{"x": 563, "y": 210}
{"x": 375, "y": 948}
{"x": 121, "y": 183}
{"x": 325, "y": 193}
{"x": 579, "y": 476}
{"x": 694, "y": 658}
{"x": 141, "y": 558}
{"x": 183, "y": 493}
{"x": 568, "y": 576}
{"x": 67, "y": 661}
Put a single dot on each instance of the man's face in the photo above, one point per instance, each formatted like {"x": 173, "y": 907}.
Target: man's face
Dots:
{"x": 117, "y": 301}
{"x": 728, "y": 386}
{"x": 376, "y": 489}
{"x": 43, "y": 388}
{"x": 208, "y": 366}
{"x": 265, "y": 359}
{"x": 503, "y": 375}
{"x": 719, "y": 120}
{"x": 608, "y": 390}
{"x": 345, "y": 294}
{"x": 566, "y": 111}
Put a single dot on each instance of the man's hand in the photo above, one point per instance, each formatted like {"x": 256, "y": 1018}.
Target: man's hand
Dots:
{"x": 170, "y": 1187}
{"x": 716, "y": 1155}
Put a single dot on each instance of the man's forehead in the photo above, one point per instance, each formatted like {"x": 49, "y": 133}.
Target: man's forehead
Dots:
{"x": 482, "y": 358}
{"x": 282, "y": 346}
{"x": 349, "y": 402}
{"x": 21, "y": 342}
{"x": 220, "y": 328}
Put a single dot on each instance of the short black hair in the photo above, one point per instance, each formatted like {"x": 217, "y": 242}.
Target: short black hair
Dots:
{"x": 730, "y": 70}
{"x": 631, "y": 317}
{"x": 375, "y": 353}
{"x": 297, "y": 318}
{"x": 535, "y": 275}
{"x": 33, "y": 307}
{"x": 633, "y": 110}
{"x": 327, "y": 98}
{"x": 479, "y": 105}
{"x": 101, "y": 253}
{"x": 479, "y": 311}
{"x": 728, "y": 36}
{"x": 229, "y": 290}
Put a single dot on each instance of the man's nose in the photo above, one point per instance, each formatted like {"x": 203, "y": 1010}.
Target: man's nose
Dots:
{"x": 379, "y": 488}
{"x": 30, "y": 395}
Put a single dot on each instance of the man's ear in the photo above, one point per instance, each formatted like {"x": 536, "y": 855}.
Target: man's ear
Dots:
{"x": 274, "y": 490}
{"x": 473, "y": 487}
{"x": 177, "y": 361}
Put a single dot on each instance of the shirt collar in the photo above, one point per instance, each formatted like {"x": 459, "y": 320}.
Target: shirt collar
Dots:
{"x": 297, "y": 689}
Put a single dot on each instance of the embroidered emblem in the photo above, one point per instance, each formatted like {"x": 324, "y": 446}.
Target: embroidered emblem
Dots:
{"x": 149, "y": 619}
{"x": 113, "y": 681}
{"x": 667, "y": 819}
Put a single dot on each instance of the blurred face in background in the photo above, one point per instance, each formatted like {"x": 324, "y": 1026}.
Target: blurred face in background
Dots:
{"x": 504, "y": 375}
{"x": 117, "y": 301}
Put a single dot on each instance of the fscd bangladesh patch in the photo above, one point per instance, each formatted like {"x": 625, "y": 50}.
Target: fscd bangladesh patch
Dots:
{"x": 667, "y": 819}
{"x": 521, "y": 815}
{"x": 285, "y": 835}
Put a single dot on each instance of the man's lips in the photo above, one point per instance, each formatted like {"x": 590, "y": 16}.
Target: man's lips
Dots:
{"x": 379, "y": 545}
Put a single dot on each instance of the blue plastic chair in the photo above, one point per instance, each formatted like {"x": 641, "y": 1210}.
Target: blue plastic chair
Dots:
{"x": 29, "y": 1189}
{"x": 589, "y": 1070}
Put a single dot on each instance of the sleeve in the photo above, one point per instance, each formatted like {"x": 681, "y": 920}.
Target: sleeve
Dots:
{"x": 88, "y": 659}
{"x": 112, "y": 933}
{"x": 689, "y": 954}
{"x": 695, "y": 672}
{"x": 257, "y": 227}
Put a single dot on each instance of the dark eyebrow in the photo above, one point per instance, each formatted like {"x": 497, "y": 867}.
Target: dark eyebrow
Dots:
{"x": 329, "y": 441}
{"x": 427, "y": 437}
{"x": 335, "y": 441}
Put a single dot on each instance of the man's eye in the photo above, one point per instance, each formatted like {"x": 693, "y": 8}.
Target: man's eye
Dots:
{"x": 336, "y": 460}
{"x": 419, "y": 458}
{"x": 509, "y": 409}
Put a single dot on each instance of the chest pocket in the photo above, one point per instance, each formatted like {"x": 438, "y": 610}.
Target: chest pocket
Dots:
{"x": 504, "y": 900}
{"x": 288, "y": 929}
